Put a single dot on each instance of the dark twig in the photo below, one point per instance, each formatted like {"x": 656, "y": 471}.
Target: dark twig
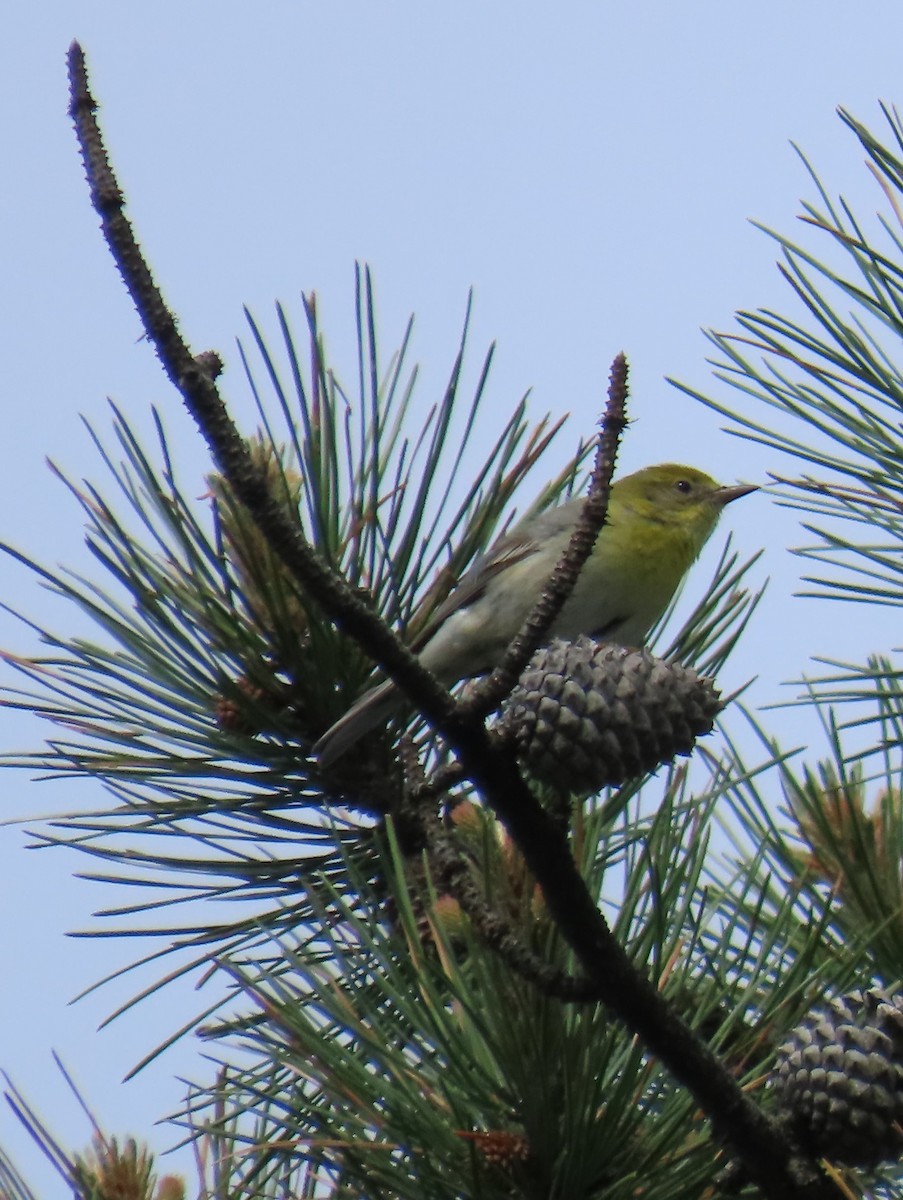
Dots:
{"x": 454, "y": 873}
{"x": 772, "y": 1161}
{"x": 486, "y": 696}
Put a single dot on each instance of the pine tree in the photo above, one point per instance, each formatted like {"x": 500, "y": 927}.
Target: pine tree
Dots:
{"x": 444, "y": 980}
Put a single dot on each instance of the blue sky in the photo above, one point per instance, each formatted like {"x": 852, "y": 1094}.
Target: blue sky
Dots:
{"x": 590, "y": 173}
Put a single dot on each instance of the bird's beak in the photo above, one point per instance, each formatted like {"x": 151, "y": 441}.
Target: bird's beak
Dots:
{"x": 725, "y": 495}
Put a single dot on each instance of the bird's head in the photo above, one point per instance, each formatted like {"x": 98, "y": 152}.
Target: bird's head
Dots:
{"x": 680, "y": 497}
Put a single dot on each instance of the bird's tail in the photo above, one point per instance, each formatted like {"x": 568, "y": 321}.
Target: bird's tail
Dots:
{"x": 373, "y": 709}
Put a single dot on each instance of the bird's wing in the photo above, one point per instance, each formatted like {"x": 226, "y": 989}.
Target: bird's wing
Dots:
{"x": 377, "y": 704}
{"x": 511, "y": 548}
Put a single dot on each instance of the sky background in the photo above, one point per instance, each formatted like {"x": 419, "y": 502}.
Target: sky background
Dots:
{"x": 588, "y": 168}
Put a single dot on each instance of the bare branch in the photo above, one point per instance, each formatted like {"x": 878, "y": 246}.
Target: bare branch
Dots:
{"x": 194, "y": 379}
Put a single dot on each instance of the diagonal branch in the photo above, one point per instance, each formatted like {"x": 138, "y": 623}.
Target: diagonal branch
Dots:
{"x": 453, "y": 871}
{"x": 194, "y": 379}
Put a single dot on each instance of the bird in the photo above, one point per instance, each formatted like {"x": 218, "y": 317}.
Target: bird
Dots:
{"x": 659, "y": 518}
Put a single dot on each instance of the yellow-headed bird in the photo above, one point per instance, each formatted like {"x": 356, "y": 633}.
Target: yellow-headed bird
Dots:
{"x": 658, "y": 521}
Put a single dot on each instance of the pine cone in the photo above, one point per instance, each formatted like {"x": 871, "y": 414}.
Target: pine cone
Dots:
{"x": 586, "y": 714}
{"x": 839, "y": 1078}
{"x": 234, "y": 716}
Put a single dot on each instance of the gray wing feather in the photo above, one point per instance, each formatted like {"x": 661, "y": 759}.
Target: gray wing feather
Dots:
{"x": 378, "y": 704}
{"x": 510, "y": 548}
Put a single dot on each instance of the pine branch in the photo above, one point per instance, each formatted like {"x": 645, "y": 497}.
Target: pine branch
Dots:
{"x": 771, "y": 1160}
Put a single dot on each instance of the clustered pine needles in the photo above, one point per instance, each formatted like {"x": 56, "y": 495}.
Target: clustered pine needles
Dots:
{"x": 827, "y": 392}
{"x": 214, "y": 673}
{"x": 412, "y": 1062}
{"x": 826, "y": 389}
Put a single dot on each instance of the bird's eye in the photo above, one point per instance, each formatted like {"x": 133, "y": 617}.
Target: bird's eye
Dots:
{"x": 683, "y": 486}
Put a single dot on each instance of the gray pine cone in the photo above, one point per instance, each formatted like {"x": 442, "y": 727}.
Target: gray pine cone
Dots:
{"x": 586, "y": 714}
{"x": 839, "y": 1078}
